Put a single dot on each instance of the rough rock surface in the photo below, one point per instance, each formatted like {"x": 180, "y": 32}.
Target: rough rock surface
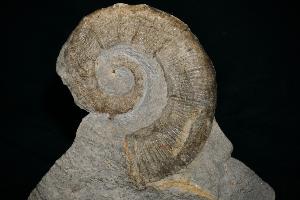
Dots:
{"x": 93, "y": 168}
{"x": 151, "y": 92}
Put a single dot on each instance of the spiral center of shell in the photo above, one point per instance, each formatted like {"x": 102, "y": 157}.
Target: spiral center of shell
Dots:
{"x": 115, "y": 81}
{"x": 130, "y": 82}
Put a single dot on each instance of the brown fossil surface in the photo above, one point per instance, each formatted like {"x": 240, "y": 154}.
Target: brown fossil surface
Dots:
{"x": 150, "y": 91}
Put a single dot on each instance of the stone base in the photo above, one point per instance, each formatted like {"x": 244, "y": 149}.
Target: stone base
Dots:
{"x": 94, "y": 168}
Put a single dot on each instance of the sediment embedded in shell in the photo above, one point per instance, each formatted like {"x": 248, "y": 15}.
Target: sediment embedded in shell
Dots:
{"x": 135, "y": 60}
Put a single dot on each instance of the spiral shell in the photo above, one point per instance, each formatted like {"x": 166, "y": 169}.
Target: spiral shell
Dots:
{"x": 136, "y": 62}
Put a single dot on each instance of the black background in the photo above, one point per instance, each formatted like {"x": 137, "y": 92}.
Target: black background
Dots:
{"x": 254, "y": 47}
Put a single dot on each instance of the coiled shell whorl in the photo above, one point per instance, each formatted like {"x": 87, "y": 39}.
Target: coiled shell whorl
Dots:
{"x": 146, "y": 70}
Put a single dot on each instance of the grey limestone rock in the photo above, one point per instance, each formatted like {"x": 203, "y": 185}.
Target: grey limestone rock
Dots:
{"x": 150, "y": 91}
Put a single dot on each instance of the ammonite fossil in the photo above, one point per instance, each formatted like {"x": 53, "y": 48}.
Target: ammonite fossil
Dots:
{"x": 143, "y": 63}
{"x": 150, "y": 91}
